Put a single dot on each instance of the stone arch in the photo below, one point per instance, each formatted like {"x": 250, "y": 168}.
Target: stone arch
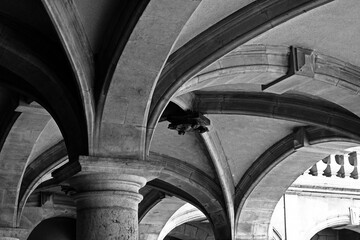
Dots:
{"x": 34, "y": 215}
{"x": 190, "y": 232}
{"x": 294, "y": 108}
{"x": 273, "y": 172}
{"x": 63, "y": 228}
{"x": 72, "y": 35}
{"x": 150, "y": 200}
{"x": 321, "y": 76}
{"x": 15, "y": 156}
{"x": 43, "y": 164}
{"x": 329, "y": 222}
{"x": 162, "y": 212}
{"x": 194, "y": 186}
{"x": 33, "y": 75}
{"x": 184, "y": 214}
{"x": 179, "y": 179}
{"x": 121, "y": 122}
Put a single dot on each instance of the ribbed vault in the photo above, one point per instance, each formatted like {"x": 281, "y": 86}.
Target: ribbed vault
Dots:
{"x": 277, "y": 79}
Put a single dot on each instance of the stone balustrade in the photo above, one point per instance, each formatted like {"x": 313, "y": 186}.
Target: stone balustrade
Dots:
{"x": 339, "y": 165}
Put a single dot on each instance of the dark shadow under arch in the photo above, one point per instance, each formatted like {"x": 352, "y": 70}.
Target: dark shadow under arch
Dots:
{"x": 58, "y": 228}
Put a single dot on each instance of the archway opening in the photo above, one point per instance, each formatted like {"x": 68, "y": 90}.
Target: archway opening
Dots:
{"x": 59, "y": 228}
{"x": 336, "y": 234}
{"x": 325, "y": 196}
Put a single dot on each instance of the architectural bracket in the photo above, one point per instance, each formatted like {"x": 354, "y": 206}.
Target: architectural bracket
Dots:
{"x": 301, "y": 70}
{"x": 300, "y": 138}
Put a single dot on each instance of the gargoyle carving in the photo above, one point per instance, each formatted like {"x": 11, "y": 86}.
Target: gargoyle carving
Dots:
{"x": 188, "y": 122}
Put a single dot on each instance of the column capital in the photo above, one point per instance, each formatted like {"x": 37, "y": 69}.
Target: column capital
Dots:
{"x": 102, "y": 190}
{"x": 107, "y": 194}
{"x": 92, "y": 164}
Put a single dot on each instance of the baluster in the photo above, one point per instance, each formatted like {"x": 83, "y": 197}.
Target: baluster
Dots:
{"x": 353, "y": 162}
{"x": 313, "y": 170}
{"x": 327, "y": 171}
{"x": 339, "y": 159}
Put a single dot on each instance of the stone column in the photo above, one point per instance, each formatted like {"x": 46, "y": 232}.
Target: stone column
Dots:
{"x": 13, "y": 233}
{"x": 107, "y": 206}
{"x": 107, "y": 196}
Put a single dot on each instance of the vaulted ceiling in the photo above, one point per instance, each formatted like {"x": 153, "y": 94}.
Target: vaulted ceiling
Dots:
{"x": 278, "y": 80}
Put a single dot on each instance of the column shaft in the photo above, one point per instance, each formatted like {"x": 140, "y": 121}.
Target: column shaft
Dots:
{"x": 107, "y": 206}
{"x": 107, "y": 195}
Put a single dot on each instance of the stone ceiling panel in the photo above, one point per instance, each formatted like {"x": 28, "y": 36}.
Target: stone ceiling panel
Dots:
{"x": 154, "y": 221}
{"x": 239, "y": 134}
{"x": 95, "y": 16}
{"x": 208, "y": 13}
{"x": 49, "y": 136}
{"x": 188, "y": 148}
{"x": 332, "y": 29}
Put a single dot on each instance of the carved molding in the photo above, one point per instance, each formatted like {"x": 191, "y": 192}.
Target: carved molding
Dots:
{"x": 287, "y": 107}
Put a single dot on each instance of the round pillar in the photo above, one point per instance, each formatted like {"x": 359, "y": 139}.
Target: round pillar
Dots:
{"x": 107, "y": 205}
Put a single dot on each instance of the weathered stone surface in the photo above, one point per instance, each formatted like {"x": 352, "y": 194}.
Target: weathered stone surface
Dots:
{"x": 154, "y": 222}
{"x": 68, "y": 24}
{"x": 135, "y": 76}
{"x": 107, "y": 214}
{"x": 13, "y": 233}
{"x": 107, "y": 198}
{"x": 13, "y": 161}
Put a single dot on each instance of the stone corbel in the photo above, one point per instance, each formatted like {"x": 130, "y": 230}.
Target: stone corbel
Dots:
{"x": 301, "y": 70}
{"x": 46, "y": 198}
{"x": 300, "y": 138}
{"x": 302, "y": 143}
